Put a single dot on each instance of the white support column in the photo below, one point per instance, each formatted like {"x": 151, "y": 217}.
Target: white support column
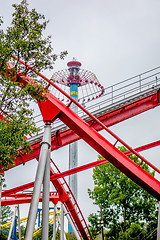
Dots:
{"x": 54, "y": 223}
{"x": 58, "y": 220}
{"x": 62, "y": 223}
{"x": 59, "y": 224}
{"x": 71, "y": 223}
{"x": 73, "y": 147}
{"x": 45, "y": 146}
{"x": 19, "y": 227}
{"x": 45, "y": 201}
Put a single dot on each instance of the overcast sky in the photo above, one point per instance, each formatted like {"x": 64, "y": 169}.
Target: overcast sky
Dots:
{"x": 115, "y": 39}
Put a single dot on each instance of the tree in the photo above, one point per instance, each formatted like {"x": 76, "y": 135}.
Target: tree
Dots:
{"x": 6, "y": 214}
{"x": 122, "y": 201}
{"x": 24, "y": 39}
{"x": 6, "y": 217}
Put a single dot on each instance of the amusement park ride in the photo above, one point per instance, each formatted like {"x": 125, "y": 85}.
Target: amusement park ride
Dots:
{"x": 118, "y": 103}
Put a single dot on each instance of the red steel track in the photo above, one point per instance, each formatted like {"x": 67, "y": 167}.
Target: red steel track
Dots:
{"x": 109, "y": 119}
{"x": 52, "y": 108}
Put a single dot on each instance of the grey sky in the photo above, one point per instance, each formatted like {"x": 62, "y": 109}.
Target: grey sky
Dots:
{"x": 115, "y": 39}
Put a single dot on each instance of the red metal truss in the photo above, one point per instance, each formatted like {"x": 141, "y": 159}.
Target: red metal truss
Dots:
{"x": 59, "y": 187}
{"x": 102, "y": 146}
{"x": 53, "y": 108}
{"x": 145, "y": 147}
{"x": 109, "y": 118}
{"x": 72, "y": 208}
{"x": 77, "y": 169}
{"x": 63, "y": 196}
{"x": 25, "y": 197}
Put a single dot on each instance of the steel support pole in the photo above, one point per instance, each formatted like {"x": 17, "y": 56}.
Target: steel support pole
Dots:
{"x": 19, "y": 227}
{"x": 59, "y": 223}
{"x": 45, "y": 200}
{"x": 62, "y": 223}
{"x": 45, "y": 146}
{"x": 73, "y": 147}
{"x": 158, "y": 227}
{"x": 73, "y": 163}
{"x": 54, "y": 223}
{"x": 71, "y": 223}
{"x": 58, "y": 220}
{"x": 73, "y": 150}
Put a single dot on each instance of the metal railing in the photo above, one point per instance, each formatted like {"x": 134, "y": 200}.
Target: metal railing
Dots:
{"x": 115, "y": 96}
{"x": 64, "y": 183}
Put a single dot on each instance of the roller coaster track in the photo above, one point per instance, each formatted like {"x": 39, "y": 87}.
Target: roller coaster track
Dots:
{"x": 87, "y": 129}
{"x": 5, "y": 231}
{"x": 65, "y": 195}
{"x": 120, "y": 102}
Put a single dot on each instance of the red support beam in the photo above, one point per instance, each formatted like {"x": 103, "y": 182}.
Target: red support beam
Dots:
{"x": 144, "y": 147}
{"x": 53, "y": 108}
{"x": 26, "y": 199}
{"x": 109, "y": 119}
{"x": 77, "y": 169}
{"x": 95, "y": 140}
{"x": 17, "y": 189}
{"x": 104, "y": 147}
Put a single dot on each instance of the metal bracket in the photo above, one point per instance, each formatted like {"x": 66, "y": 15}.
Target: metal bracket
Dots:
{"x": 58, "y": 138}
{"x": 49, "y": 145}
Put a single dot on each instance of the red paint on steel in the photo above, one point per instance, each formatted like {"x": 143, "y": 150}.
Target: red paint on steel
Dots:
{"x": 21, "y": 200}
{"x": 145, "y": 147}
{"x": 73, "y": 208}
{"x": 74, "y": 63}
{"x": 78, "y": 169}
{"x": 17, "y": 189}
{"x": 95, "y": 140}
{"x": 109, "y": 119}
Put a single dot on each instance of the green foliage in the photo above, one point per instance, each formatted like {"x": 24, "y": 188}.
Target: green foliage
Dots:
{"x": 6, "y": 214}
{"x": 12, "y": 137}
{"x": 94, "y": 228}
{"x": 134, "y": 232}
{"x": 58, "y": 235}
{"x": 70, "y": 236}
{"x": 122, "y": 201}
{"x": 25, "y": 39}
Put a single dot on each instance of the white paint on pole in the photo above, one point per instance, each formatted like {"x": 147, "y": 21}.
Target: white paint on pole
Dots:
{"x": 62, "y": 223}
{"x": 71, "y": 223}
{"x": 45, "y": 200}
{"x": 54, "y": 223}
{"x": 45, "y": 145}
{"x": 19, "y": 227}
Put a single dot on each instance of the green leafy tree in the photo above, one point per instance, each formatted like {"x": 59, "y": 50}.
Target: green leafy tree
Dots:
{"x": 6, "y": 214}
{"x": 122, "y": 201}
{"x": 94, "y": 226}
{"x": 25, "y": 39}
{"x": 6, "y": 217}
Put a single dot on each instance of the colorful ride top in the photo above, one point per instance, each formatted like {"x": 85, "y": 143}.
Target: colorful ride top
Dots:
{"x": 81, "y": 84}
